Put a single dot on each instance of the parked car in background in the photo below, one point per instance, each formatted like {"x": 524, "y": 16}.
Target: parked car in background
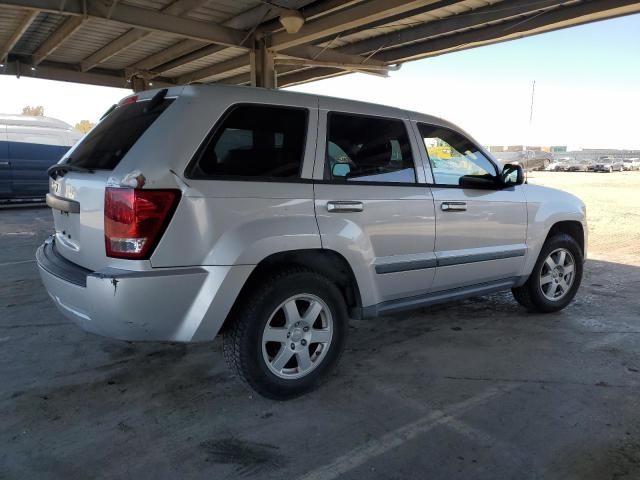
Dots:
{"x": 618, "y": 165}
{"x": 273, "y": 217}
{"x": 552, "y": 167}
{"x": 608, "y": 165}
{"x": 527, "y": 159}
{"x": 635, "y": 163}
{"x": 28, "y": 147}
{"x": 563, "y": 164}
{"x": 577, "y": 166}
{"x": 628, "y": 165}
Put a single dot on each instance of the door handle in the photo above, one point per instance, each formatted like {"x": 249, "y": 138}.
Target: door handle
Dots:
{"x": 453, "y": 206}
{"x": 5, "y": 163}
{"x": 345, "y": 206}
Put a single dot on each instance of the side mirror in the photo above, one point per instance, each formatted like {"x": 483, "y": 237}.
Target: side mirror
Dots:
{"x": 512, "y": 175}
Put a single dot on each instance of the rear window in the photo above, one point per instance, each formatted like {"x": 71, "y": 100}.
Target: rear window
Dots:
{"x": 111, "y": 139}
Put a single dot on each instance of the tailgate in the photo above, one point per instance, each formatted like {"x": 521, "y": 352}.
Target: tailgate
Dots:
{"x": 78, "y": 210}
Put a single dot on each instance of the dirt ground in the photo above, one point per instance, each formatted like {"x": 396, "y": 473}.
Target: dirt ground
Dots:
{"x": 478, "y": 389}
{"x": 613, "y": 210}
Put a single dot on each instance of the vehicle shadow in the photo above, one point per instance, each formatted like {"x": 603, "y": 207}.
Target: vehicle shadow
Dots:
{"x": 68, "y": 386}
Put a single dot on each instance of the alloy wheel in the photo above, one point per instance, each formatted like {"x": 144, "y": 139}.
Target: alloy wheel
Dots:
{"x": 557, "y": 274}
{"x": 297, "y": 336}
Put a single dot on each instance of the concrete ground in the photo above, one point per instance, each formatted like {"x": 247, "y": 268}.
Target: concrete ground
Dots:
{"x": 474, "y": 390}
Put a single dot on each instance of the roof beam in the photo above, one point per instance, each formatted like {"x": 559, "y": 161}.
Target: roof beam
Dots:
{"x": 341, "y": 65}
{"x": 24, "y": 24}
{"x": 490, "y": 13}
{"x": 112, "y": 48}
{"x": 165, "y": 55}
{"x": 304, "y": 76}
{"x": 345, "y": 19}
{"x": 62, "y": 72}
{"x": 132, "y": 36}
{"x": 303, "y": 55}
{"x": 136, "y": 17}
{"x": 394, "y": 18}
{"x": 562, "y": 17}
{"x": 312, "y": 53}
{"x": 57, "y": 38}
{"x": 556, "y": 19}
{"x": 213, "y": 70}
{"x": 245, "y": 20}
{"x": 188, "y": 58}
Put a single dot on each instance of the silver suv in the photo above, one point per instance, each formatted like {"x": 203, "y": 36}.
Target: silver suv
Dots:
{"x": 272, "y": 217}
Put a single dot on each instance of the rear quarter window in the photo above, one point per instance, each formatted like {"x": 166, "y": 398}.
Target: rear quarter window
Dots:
{"x": 109, "y": 141}
{"x": 254, "y": 142}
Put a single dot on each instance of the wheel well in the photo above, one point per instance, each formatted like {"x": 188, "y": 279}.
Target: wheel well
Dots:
{"x": 569, "y": 227}
{"x": 327, "y": 263}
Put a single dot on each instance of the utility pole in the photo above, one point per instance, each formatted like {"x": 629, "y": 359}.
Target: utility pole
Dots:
{"x": 533, "y": 94}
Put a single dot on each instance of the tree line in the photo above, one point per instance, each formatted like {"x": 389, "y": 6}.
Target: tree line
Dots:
{"x": 38, "y": 111}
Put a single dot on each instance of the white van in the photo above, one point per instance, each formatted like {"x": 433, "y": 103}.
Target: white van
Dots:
{"x": 28, "y": 147}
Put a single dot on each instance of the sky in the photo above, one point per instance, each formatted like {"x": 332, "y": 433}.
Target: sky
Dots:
{"x": 587, "y": 89}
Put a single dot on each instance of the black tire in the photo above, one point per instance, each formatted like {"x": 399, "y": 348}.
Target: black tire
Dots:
{"x": 530, "y": 295}
{"x": 242, "y": 340}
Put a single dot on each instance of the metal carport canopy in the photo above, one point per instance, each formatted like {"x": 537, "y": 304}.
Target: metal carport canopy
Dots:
{"x": 147, "y": 43}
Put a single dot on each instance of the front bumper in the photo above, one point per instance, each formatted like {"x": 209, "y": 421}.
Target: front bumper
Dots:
{"x": 178, "y": 304}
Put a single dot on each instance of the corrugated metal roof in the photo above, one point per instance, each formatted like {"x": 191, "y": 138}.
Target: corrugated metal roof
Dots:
{"x": 93, "y": 35}
{"x": 97, "y": 33}
{"x": 141, "y": 49}
{"x": 207, "y": 61}
{"x": 41, "y": 28}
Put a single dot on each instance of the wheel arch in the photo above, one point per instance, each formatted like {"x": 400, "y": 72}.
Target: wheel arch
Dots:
{"x": 573, "y": 228}
{"x": 327, "y": 263}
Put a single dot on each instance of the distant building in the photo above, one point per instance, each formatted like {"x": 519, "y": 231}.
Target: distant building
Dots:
{"x": 558, "y": 149}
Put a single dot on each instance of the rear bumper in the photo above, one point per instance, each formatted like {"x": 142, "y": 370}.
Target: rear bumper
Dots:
{"x": 178, "y": 304}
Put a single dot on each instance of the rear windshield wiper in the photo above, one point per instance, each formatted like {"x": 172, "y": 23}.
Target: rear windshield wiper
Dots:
{"x": 59, "y": 169}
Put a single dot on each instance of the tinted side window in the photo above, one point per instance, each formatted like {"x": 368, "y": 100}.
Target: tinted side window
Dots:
{"x": 368, "y": 149}
{"x": 255, "y": 141}
{"x": 453, "y": 156}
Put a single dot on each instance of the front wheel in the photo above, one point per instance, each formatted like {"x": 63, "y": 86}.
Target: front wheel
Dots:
{"x": 555, "y": 278}
{"x": 287, "y": 334}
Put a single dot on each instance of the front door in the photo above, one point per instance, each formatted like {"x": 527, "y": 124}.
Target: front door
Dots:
{"x": 372, "y": 203}
{"x": 481, "y": 230}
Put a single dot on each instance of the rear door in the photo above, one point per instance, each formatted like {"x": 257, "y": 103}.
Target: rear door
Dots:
{"x": 372, "y": 204}
{"x": 5, "y": 164}
{"x": 480, "y": 232}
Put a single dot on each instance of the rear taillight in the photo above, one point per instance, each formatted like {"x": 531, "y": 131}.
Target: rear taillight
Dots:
{"x": 135, "y": 219}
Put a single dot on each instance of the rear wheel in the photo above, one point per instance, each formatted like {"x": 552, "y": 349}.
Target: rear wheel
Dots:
{"x": 288, "y": 335}
{"x": 555, "y": 278}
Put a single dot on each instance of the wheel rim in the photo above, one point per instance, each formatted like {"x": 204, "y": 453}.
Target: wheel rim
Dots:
{"x": 297, "y": 336}
{"x": 557, "y": 274}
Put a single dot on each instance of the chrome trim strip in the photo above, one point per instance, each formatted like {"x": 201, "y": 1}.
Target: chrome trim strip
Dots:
{"x": 406, "y": 266}
{"x": 480, "y": 257}
{"x": 447, "y": 261}
{"x": 62, "y": 204}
